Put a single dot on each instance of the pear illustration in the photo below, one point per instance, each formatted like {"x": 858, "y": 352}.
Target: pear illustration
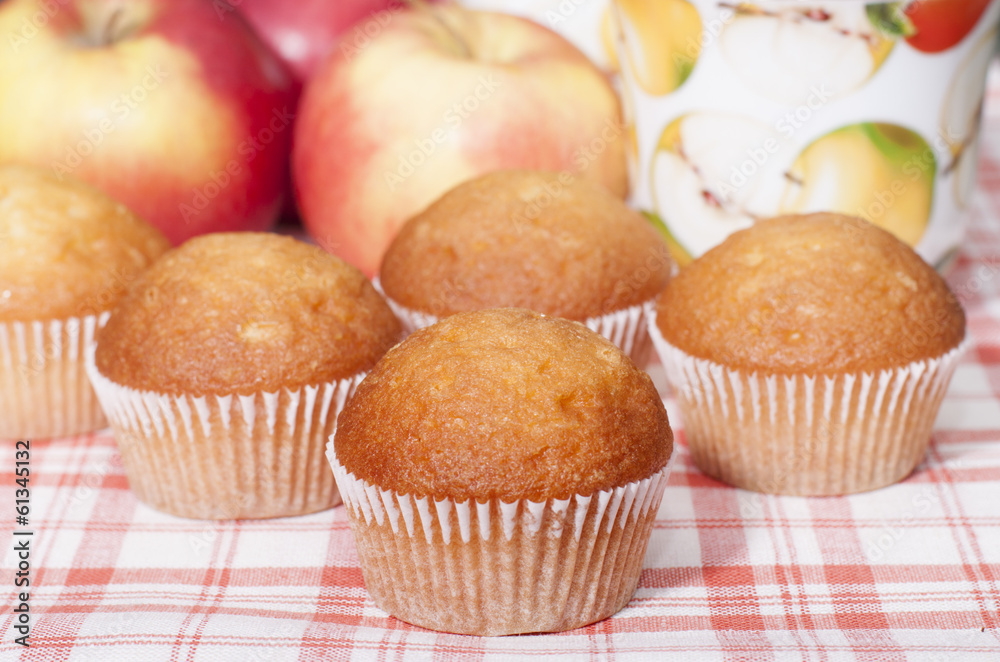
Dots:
{"x": 662, "y": 40}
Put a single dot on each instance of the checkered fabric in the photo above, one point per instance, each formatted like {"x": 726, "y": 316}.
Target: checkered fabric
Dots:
{"x": 909, "y": 572}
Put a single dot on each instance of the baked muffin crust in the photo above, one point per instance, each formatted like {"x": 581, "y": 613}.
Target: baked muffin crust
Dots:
{"x": 540, "y": 240}
{"x": 817, "y": 293}
{"x": 68, "y": 249}
{"x": 504, "y": 403}
{"x": 243, "y": 313}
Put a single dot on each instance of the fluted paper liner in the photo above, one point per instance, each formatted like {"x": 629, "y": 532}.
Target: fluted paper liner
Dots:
{"x": 499, "y": 568}
{"x": 227, "y": 456}
{"x": 44, "y": 391}
{"x": 806, "y": 435}
{"x": 626, "y": 328}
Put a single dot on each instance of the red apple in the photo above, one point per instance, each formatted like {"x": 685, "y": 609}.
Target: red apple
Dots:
{"x": 172, "y": 107}
{"x": 304, "y": 32}
{"x": 441, "y": 94}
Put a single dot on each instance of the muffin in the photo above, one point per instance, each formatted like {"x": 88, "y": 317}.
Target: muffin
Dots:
{"x": 69, "y": 253}
{"x": 223, "y": 369}
{"x": 545, "y": 241}
{"x": 501, "y": 472}
{"x": 809, "y": 355}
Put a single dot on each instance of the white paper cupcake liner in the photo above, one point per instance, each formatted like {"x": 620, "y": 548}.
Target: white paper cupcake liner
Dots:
{"x": 626, "y": 328}
{"x": 499, "y": 568}
{"x": 806, "y": 435}
{"x": 44, "y": 391}
{"x": 227, "y": 456}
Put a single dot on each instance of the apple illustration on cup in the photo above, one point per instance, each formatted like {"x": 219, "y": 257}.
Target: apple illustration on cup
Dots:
{"x": 440, "y": 95}
{"x": 713, "y": 174}
{"x": 787, "y": 51}
{"x": 930, "y": 26}
{"x": 882, "y": 172}
{"x": 180, "y": 113}
{"x": 716, "y": 173}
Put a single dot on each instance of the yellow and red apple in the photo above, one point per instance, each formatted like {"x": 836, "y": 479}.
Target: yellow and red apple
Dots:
{"x": 440, "y": 95}
{"x": 180, "y": 113}
{"x": 580, "y": 21}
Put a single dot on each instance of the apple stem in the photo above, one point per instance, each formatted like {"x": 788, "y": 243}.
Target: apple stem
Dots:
{"x": 431, "y": 10}
{"x": 111, "y": 28}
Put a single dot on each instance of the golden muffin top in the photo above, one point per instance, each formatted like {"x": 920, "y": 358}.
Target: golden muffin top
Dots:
{"x": 241, "y": 313}
{"x": 66, "y": 249}
{"x": 504, "y": 403}
{"x": 817, "y": 293}
{"x": 545, "y": 241}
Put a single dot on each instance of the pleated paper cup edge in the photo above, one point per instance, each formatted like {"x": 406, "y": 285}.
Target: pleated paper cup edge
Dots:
{"x": 371, "y": 504}
{"x": 933, "y": 373}
{"x": 74, "y": 334}
{"x": 128, "y": 409}
{"x": 614, "y": 326}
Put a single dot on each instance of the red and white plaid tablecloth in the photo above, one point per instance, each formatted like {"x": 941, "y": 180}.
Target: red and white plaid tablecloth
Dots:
{"x": 909, "y": 572}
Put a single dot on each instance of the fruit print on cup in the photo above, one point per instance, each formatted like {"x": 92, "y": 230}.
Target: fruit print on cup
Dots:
{"x": 961, "y": 114}
{"x": 784, "y": 52}
{"x": 882, "y": 172}
{"x": 930, "y": 26}
{"x": 866, "y": 109}
{"x": 662, "y": 43}
{"x": 712, "y": 174}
